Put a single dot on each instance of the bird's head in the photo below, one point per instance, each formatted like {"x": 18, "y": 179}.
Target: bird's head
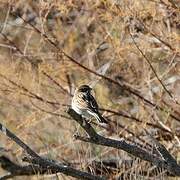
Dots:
{"x": 84, "y": 88}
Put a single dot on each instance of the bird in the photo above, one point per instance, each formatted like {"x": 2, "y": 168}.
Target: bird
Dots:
{"x": 84, "y": 104}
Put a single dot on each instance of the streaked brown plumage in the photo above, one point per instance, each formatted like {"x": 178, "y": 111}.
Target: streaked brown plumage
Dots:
{"x": 85, "y": 104}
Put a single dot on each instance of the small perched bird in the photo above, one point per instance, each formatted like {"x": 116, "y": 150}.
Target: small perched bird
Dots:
{"x": 85, "y": 104}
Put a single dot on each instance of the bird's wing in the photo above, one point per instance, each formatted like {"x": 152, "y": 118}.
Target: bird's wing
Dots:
{"x": 91, "y": 102}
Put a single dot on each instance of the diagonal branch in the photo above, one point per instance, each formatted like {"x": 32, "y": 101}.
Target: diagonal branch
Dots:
{"x": 171, "y": 162}
{"x": 136, "y": 151}
{"x": 46, "y": 163}
{"x": 152, "y": 68}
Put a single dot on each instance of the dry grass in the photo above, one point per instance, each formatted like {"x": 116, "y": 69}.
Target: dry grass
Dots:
{"x": 80, "y": 28}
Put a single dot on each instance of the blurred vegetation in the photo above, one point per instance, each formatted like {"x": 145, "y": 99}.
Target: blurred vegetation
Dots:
{"x": 93, "y": 32}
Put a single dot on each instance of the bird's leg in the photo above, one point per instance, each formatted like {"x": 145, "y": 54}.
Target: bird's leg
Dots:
{"x": 89, "y": 120}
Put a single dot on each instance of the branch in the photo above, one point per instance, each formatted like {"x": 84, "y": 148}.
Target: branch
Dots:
{"x": 125, "y": 115}
{"x": 152, "y": 68}
{"x": 171, "y": 162}
{"x": 33, "y": 95}
{"x": 74, "y": 61}
{"x": 49, "y": 164}
{"x": 17, "y": 170}
{"x": 136, "y": 151}
{"x": 57, "y": 84}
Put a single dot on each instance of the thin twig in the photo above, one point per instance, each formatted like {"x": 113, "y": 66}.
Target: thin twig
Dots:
{"x": 152, "y": 68}
{"x": 29, "y": 92}
{"x": 55, "y": 82}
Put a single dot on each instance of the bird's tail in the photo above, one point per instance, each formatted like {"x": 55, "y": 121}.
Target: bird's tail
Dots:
{"x": 101, "y": 119}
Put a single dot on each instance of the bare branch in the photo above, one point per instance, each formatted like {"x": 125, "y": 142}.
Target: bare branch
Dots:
{"x": 18, "y": 170}
{"x": 55, "y": 82}
{"x": 48, "y": 164}
{"x": 152, "y": 68}
{"x": 120, "y": 144}
{"x": 32, "y": 95}
{"x": 171, "y": 162}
